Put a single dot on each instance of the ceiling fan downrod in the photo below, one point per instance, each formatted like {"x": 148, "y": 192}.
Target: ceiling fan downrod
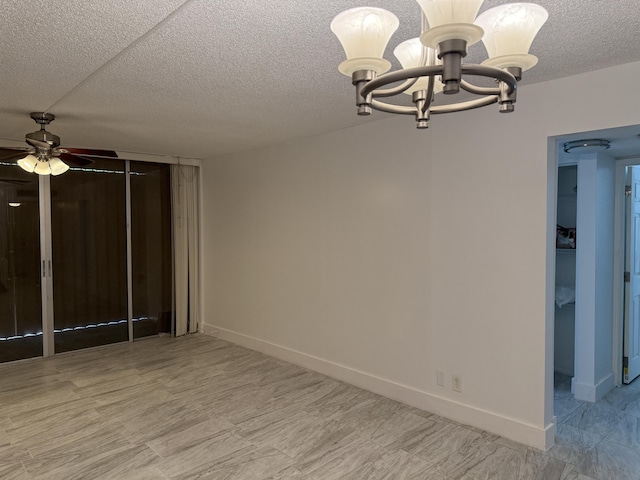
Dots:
{"x": 42, "y": 135}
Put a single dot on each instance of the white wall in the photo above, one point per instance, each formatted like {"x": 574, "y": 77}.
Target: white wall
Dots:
{"x": 594, "y": 287}
{"x": 380, "y": 254}
{"x": 605, "y": 218}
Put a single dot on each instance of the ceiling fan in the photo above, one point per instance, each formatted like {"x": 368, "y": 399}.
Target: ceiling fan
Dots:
{"x": 44, "y": 155}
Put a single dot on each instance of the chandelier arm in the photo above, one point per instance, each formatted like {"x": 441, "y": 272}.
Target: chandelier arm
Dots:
{"x": 390, "y": 108}
{"x": 492, "y": 72}
{"x": 391, "y": 92}
{"x": 429, "y": 99}
{"x": 410, "y": 82}
{"x": 400, "y": 75}
{"x": 471, "y": 88}
{"x": 462, "y": 106}
{"x": 432, "y": 70}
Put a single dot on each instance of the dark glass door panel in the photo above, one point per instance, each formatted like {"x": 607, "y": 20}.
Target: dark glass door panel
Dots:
{"x": 20, "y": 292}
{"x": 88, "y": 229}
{"x": 151, "y": 248}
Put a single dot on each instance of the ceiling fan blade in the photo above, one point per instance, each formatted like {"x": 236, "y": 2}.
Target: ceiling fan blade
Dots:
{"x": 37, "y": 143}
{"x": 7, "y": 154}
{"x": 92, "y": 152}
{"x": 75, "y": 159}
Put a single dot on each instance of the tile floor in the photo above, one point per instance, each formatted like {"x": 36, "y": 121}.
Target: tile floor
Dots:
{"x": 602, "y": 439}
{"x": 199, "y": 407}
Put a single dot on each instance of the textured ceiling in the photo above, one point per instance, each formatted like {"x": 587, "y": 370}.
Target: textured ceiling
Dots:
{"x": 203, "y": 78}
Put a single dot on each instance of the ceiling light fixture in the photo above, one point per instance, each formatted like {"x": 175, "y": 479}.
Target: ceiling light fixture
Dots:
{"x": 592, "y": 145}
{"x": 433, "y": 62}
{"x": 43, "y": 165}
{"x": 40, "y": 159}
{"x": 44, "y": 155}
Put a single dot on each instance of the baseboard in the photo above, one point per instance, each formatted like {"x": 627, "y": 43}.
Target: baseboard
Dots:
{"x": 592, "y": 393}
{"x": 513, "y": 429}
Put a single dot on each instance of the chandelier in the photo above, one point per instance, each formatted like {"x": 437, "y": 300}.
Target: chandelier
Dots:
{"x": 433, "y": 63}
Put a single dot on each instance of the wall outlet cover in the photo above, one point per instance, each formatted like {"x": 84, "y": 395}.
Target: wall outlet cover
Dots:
{"x": 456, "y": 383}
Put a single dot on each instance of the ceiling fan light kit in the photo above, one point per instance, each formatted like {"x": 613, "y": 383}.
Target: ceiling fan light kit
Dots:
{"x": 28, "y": 163}
{"x": 32, "y": 164}
{"x": 44, "y": 155}
{"x": 433, "y": 63}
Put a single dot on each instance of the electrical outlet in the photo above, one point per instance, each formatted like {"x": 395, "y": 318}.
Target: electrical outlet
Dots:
{"x": 440, "y": 378}
{"x": 456, "y": 383}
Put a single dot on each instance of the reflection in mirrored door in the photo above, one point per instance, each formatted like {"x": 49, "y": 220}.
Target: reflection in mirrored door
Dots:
{"x": 89, "y": 249}
{"x": 20, "y": 306}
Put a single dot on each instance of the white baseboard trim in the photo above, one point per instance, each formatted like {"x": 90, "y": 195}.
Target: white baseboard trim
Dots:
{"x": 592, "y": 393}
{"x": 538, "y": 437}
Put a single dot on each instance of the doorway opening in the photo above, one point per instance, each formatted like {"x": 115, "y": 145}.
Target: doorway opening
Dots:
{"x": 596, "y": 333}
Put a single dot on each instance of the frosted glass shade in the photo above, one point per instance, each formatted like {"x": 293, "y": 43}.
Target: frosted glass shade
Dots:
{"x": 409, "y": 53}
{"x": 42, "y": 168}
{"x": 449, "y": 19}
{"x": 28, "y": 163}
{"x": 57, "y": 166}
{"x": 509, "y": 31}
{"x": 443, "y": 12}
{"x": 364, "y": 33}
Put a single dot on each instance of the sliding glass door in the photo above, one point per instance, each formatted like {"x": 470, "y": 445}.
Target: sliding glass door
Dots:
{"x": 151, "y": 248}
{"x": 85, "y": 257}
{"x": 20, "y": 310}
{"x": 89, "y": 245}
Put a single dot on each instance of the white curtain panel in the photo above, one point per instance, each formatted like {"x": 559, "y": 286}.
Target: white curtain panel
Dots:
{"x": 186, "y": 247}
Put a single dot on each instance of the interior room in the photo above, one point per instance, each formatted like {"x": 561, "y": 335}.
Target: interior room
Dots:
{"x": 219, "y": 262}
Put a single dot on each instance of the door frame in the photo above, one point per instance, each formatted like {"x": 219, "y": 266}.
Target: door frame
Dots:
{"x": 618, "y": 260}
{"x": 619, "y": 266}
{"x": 46, "y": 267}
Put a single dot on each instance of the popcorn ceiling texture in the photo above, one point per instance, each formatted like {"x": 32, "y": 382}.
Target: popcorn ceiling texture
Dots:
{"x": 222, "y": 76}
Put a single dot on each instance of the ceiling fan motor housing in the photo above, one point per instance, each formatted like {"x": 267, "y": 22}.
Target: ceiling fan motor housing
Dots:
{"x": 43, "y": 118}
{"x": 44, "y": 136}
